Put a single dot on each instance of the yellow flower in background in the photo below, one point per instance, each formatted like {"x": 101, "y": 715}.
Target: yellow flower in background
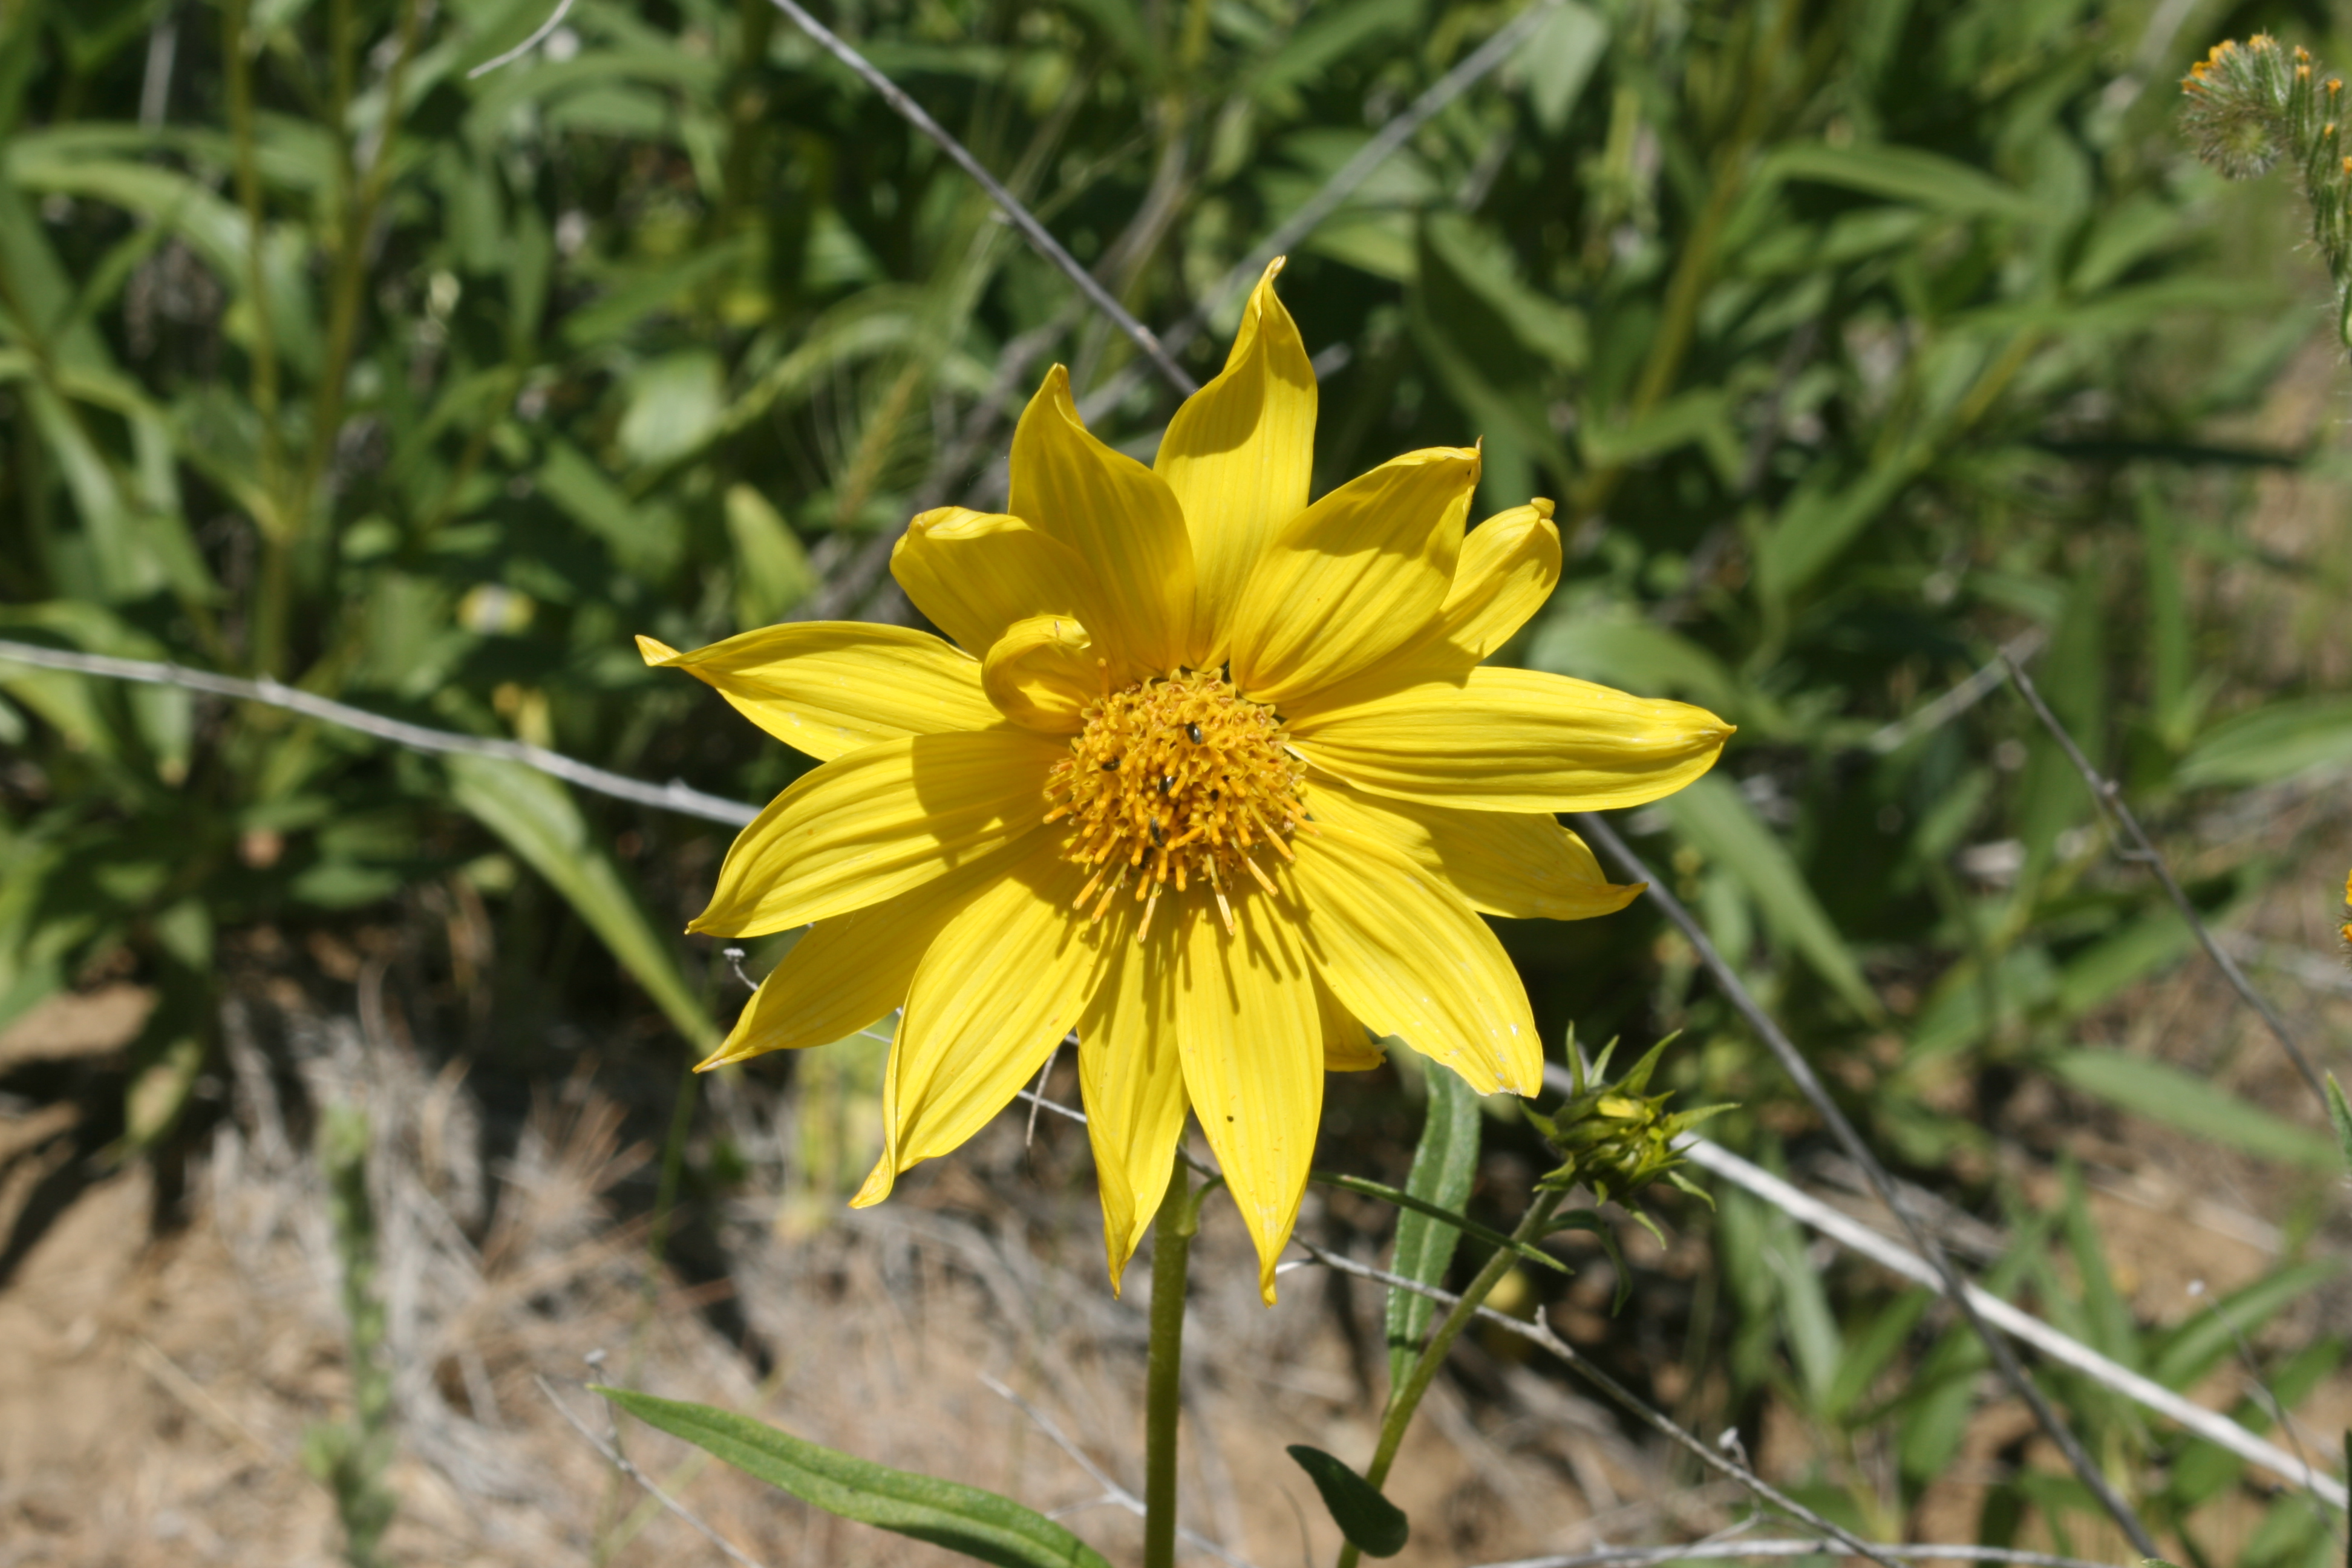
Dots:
{"x": 1210, "y": 774}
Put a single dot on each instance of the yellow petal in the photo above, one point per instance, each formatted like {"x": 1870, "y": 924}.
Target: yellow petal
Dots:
{"x": 830, "y": 687}
{"x": 852, "y": 969}
{"x": 1407, "y": 955}
{"x": 1515, "y": 740}
{"x": 1239, "y": 454}
{"x": 877, "y": 823}
{"x": 1347, "y": 1045}
{"x": 1522, "y": 865}
{"x": 1119, "y": 517}
{"x": 1509, "y": 566}
{"x": 1042, "y": 673}
{"x": 994, "y": 996}
{"x": 1253, "y": 1043}
{"x": 974, "y": 574}
{"x": 1354, "y": 577}
{"x": 1132, "y": 1076}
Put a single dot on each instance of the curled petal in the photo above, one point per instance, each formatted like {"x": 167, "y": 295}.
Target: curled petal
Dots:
{"x": 974, "y": 574}
{"x": 1042, "y": 673}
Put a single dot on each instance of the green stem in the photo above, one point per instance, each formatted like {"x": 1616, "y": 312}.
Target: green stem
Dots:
{"x": 357, "y": 219}
{"x": 1694, "y": 266}
{"x": 1406, "y": 1398}
{"x": 260, "y": 648}
{"x": 1171, "y": 1252}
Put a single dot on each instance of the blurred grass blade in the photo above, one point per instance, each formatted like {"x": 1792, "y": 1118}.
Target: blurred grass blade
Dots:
{"x": 2272, "y": 745}
{"x": 1909, "y": 174}
{"x": 1372, "y": 1524}
{"x": 980, "y": 1524}
{"x": 2208, "y": 1338}
{"x": 2164, "y": 1093}
{"x": 540, "y": 822}
{"x": 1716, "y": 820}
{"x": 1443, "y": 1165}
{"x": 2339, "y": 1116}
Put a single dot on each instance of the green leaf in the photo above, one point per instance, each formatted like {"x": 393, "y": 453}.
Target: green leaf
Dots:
{"x": 2272, "y": 744}
{"x": 771, "y": 568}
{"x": 1818, "y": 521}
{"x": 1372, "y": 1524}
{"x": 540, "y": 822}
{"x": 1461, "y": 1222}
{"x": 675, "y": 404}
{"x": 1559, "y": 59}
{"x": 1442, "y": 1166}
{"x": 2199, "y": 1344}
{"x": 1330, "y": 36}
{"x": 2339, "y": 1116}
{"x": 2164, "y": 1093}
{"x": 645, "y": 538}
{"x": 1588, "y": 642}
{"x": 1716, "y": 820}
{"x": 978, "y": 1524}
{"x": 1903, "y": 174}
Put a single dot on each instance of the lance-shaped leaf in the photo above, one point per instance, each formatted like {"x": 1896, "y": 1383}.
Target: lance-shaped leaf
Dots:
{"x": 1442, "y": 1166}
{"x": 976, "y": 1522}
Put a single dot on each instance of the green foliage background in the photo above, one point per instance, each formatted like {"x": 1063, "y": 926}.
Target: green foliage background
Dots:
{"x": 1854, "y": 340}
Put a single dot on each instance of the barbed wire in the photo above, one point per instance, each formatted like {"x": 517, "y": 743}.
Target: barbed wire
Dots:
{"x": 672, "y": 796}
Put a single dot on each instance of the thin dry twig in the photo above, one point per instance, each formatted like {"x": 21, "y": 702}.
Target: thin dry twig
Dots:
{"x": 1948, "y": 1279}
{"x": 2110, "y": 798}
{"x": 1851, "y": 1233}
{"x": 672, "y": 796}
{"x": 1625, "y": 1398}
{"x": 1643, "y": 1556}
{"x": 1019, "y": 216}
{"x": 623, "y": 1463}
{"x": 1935, "y": 715}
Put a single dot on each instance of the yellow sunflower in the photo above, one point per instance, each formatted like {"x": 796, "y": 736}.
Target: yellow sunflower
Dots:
{"x": 1210, "y": 774}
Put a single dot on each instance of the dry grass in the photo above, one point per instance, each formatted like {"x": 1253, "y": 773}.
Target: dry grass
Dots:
{"x": 155, "y": 1387}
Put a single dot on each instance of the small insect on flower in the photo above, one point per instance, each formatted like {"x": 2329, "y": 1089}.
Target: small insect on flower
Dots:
{"x": 1143, "y": 796}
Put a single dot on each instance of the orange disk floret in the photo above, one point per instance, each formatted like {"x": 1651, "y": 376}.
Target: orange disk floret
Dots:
{"x": 1178, "y": 779}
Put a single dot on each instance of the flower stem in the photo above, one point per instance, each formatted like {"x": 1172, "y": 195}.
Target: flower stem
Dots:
{"x": 1171, "y": 1252}
{"x": 1406, "y": 1398}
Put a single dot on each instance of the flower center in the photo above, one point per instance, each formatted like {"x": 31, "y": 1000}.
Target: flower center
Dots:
{"x": 1176, "y": 779}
